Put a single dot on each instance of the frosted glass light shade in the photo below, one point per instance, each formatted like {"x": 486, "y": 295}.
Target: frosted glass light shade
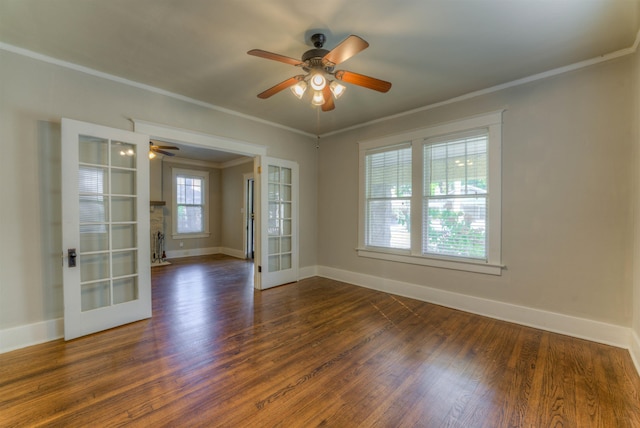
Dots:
{"x": 318, "y": 98}
{"x": 318, "y": 82}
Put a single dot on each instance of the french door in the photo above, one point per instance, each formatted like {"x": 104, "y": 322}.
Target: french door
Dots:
{"x": 105, "y": 230}
{"x": 279, "y": 222}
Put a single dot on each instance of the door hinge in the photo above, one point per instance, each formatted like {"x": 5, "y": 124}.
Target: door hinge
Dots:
{"x": 259, "y": 170}
{"x": 259, "y": 269}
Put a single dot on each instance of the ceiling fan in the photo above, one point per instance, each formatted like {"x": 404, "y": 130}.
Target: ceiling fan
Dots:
{"x": 318, "y": 65}
{"x": 154, "y": 148}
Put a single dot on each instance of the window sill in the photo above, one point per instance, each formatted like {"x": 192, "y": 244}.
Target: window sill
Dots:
{"x": 190, "y": 235}
{"x": 464, "y": 265}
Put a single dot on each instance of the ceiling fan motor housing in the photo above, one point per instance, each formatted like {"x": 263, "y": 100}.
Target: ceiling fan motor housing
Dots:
{"x": 313, "y": 59}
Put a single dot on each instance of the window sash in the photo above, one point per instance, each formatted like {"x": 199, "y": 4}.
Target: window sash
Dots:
{"x": 455, "y": 208}
{"x": 388, "y": 197}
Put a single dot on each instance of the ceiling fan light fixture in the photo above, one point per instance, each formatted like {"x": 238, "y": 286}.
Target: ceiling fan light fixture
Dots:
{"x": 318, "y": 98}
{"x": 299, "y": 88}
{"x": 318, "y": 82}
{"x": 337, "y": 89}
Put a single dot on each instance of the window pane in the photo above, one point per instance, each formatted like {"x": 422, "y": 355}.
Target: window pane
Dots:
{"x": 190, "y": 219}
{"x": 389, "y": 174}
{"x": 455, "y": 227}
{"x": 388, "y": 224}
{"x": 123, "y": 155}
{"x": 123, "y": 209}
{"x": 94, "y": 295}
{"x": 123, "y": 182}
{"x": 93, "y": 150}
{"x": 197, "y": 192}
{"x": 189, "y": 190}
{"x": 458, "y": 167}
{"x": 125, "y": 290}
{"x": 92, "y": 180}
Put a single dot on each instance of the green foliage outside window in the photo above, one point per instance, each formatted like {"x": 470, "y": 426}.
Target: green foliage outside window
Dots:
{"x": 450, "y": 232}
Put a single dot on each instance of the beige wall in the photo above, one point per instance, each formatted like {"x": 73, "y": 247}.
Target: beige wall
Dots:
{"x": 215, "y": 214}
{"x": 34, "y": 96}
{"x": 567, "y": 211}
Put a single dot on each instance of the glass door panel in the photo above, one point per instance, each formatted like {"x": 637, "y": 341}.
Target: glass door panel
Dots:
{"x": 93, "y": 150}
{"x": 124, "y": 236}
{"x": 123, "y": 182}
{"x": 94, "y": 266}
{"x": 95, "y": 295}
{"x": 125, "y": 290}
{"x": 123, "y": 209}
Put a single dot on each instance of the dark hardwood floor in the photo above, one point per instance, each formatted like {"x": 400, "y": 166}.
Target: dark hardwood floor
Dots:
{"x": 315, "y": 353}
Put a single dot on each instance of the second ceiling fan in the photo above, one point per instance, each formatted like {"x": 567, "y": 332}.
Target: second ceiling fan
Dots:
{"x": 318, "y": 64}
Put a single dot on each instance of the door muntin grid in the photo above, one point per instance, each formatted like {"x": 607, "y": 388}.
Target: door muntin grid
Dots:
{"x": 280, "y": 218}
{"x": 107, "y": 179}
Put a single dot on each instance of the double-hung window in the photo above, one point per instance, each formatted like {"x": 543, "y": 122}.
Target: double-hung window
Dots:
{"x": 190, "y": 205}
{"x": 447, "y": 179}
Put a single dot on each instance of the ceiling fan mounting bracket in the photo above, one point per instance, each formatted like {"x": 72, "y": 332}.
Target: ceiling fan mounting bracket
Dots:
{"x": 318, "y": 40}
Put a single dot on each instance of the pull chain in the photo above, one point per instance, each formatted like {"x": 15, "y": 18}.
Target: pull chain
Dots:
{"x": 318, "y": 128}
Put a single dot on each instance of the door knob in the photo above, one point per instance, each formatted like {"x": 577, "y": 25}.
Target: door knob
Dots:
{"x": 72, "y": 257}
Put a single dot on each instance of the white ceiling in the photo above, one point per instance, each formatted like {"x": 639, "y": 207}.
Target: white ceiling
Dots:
{"x": 218, "y": 158}
{"x": 431, "y": 50}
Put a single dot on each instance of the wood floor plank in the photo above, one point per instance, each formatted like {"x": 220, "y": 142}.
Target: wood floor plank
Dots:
{"x": 315, "y": 353}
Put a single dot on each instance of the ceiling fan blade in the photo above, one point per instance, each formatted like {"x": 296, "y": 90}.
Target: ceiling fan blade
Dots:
{"x": 155, "y": 144}
{"x": 280, "y": 86}
{"x": 362, "y": 80}
{"x": 328, "y": 99}
{"x": 345, "y": 50}
{"x": 276, "y": 57}
{"x": 166, "y": 147}
{"x": 163, "y": 152}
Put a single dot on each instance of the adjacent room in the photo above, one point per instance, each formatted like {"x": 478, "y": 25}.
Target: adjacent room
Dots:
{"x": 291, "y": 213}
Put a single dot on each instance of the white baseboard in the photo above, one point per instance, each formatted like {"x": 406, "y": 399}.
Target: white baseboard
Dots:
{"x": 582, "y": 328}
{"x": 30, "y": 334}
{"x": 177, "y": 254}
{"x": 307, "y": 272}
{"x": 238, "y": 254}
{"x": 634, "y": 349}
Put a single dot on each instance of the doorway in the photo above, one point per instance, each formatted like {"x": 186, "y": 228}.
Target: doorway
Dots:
{"x": 211, "y": 143}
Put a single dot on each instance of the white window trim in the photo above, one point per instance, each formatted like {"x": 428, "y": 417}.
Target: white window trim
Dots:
{"x": 175, "y": 172}
{"x": 493, "y": 265}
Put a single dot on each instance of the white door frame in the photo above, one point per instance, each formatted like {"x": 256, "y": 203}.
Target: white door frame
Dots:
{"x": 194, "y": 138}
{"x": 246, "y": 178}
